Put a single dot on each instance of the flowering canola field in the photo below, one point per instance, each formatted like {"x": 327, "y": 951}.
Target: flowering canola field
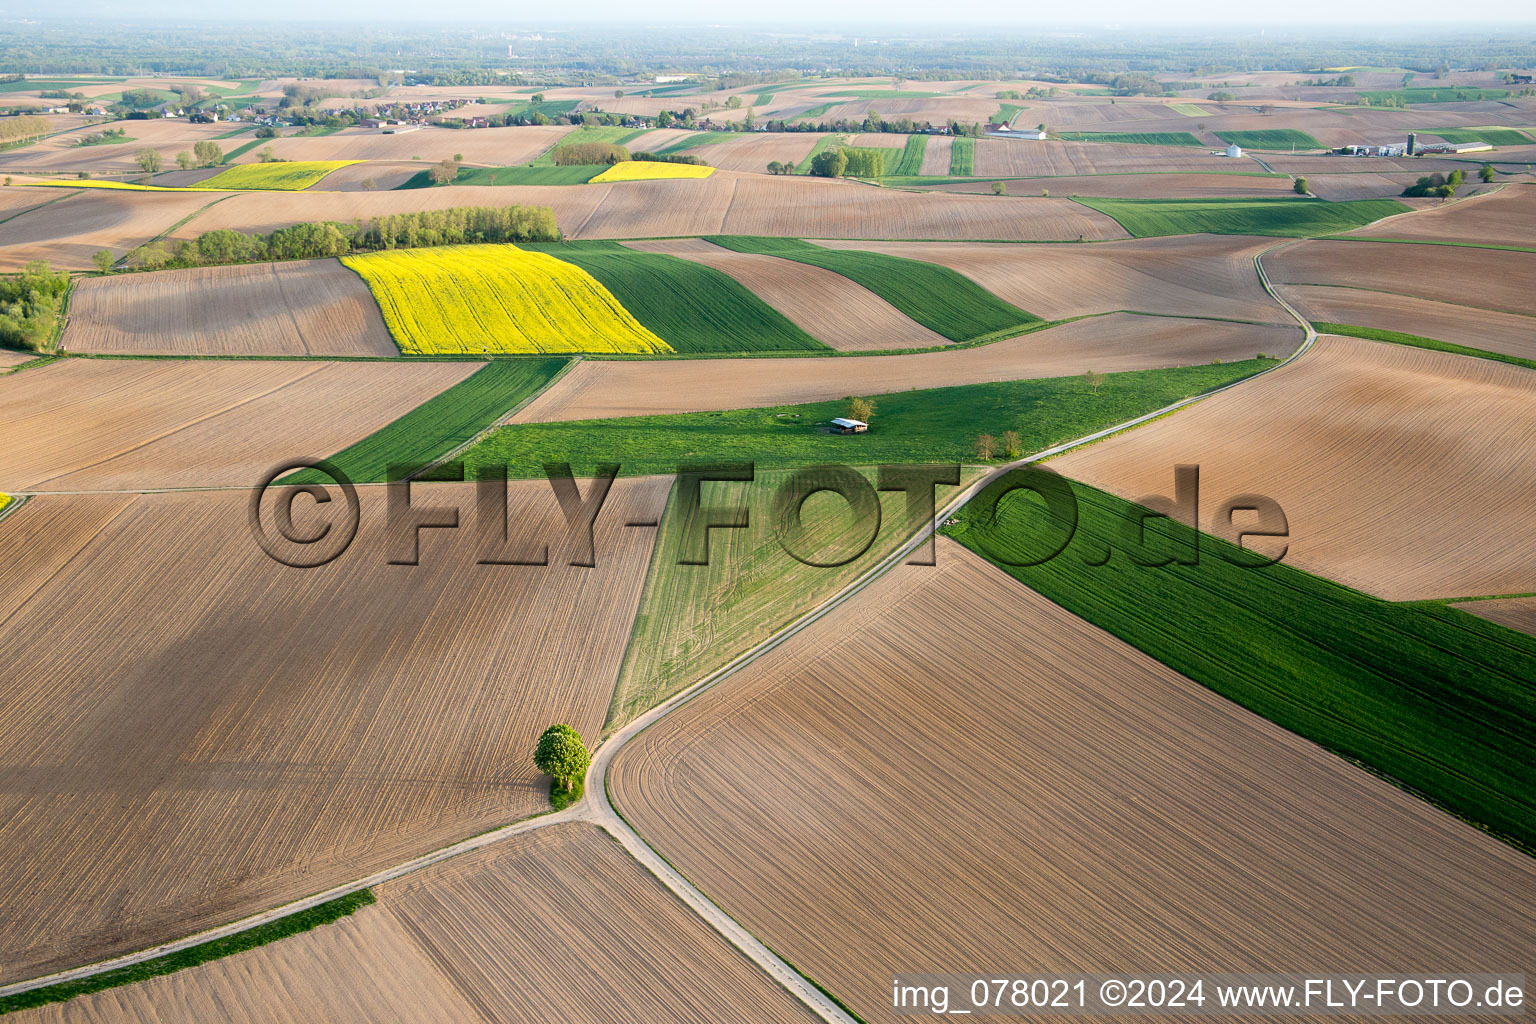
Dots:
{"x": 283, "y": 176}
{"x": 497, "y": 298}
{"x": 644, "y": 170}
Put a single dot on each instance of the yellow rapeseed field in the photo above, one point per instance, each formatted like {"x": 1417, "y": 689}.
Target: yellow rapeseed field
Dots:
{"x": 497, "y": 298}
{"x": 5, "y": 499}
{"x": 282, "y": 176}
{"x": 644, "y": 170}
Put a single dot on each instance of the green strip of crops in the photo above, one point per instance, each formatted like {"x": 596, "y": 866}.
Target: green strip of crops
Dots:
{"x": 1416, "y": 341}
{"x": 1271, "y": 138}
{"x": 1137, "y": 138}
{"x": 441, "y": 423}
{"x": 962, "y": 158}
{"x": 1268, "y": 215}
{"x": 822, "y": 144}
{"x": 518, "y": 174}
{"x": 243, "y": 148}
{"x": 293, "y": 924}
{"x": 1448, "y": 714}
{"x": 911, "y": 161}
{"x": 1492, "y": 136}
{"x": 938, "y": 425}
{"x": 936, "y": 297}
{"x": 700, "y": 139}
{"x": 1007, "y": 112}
{"x": 692, "y": 307}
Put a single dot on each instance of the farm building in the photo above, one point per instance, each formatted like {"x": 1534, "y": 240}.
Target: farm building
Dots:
{"x": 1234, "y": 150}
{"x": 844, "y": 425}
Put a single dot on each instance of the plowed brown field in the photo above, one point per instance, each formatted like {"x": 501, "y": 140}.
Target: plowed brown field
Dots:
{"x": 191, "y": 732}
{"x": 949, "y": 771}
{"x": 108, "y": 424}
{"x": 1026, "y": 158}
{"x": 68, "y": 232}
{"x": 753, "y": 152}
{"x": 515, "y": 932}
{"x": 1404, "y": 472}
{"x": 1515, "y": 612}
{"x": 1476, "y": 328}
{"x": 313, "y": 307}
{"x": 725, "y": 203}
{"x": 1208, "y": 275}
{"x": 826, "y": 305}
{"x": 61, "y": 153}
{"x": 599, "y": 388}
{"x": 1484, "y": 278}
{"x": 1133, "y": 186}
{"x": 1505, "y": 217}
{"x": 499, "y": 147}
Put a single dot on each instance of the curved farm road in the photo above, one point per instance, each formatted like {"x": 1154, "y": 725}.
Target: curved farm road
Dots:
{"x": 595, "y": 806}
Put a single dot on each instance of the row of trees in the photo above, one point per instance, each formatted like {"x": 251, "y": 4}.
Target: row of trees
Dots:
{"x": 30, "y": 303}
{"x": 22, "y": 128}
{"x": 458, "y": 225}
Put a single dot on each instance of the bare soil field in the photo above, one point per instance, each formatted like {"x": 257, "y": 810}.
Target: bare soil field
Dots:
{"x": 1483, "y": 278}
{"x": 1515, "y": 612}
{"x": 753, "y": 152}
{"x": 1505, "y": 217}
{"x": 725, "y": 203}
{"x": 828, "y": 306}
{"x": 312, "y": 307}
{"x": 11, "y": 358}
{"x": 67, "y": 232}
{"x": 1025, "y": 158}
{"x": 1475, "y": 328}
{"x": 937, "y": 154}
{"x": 1206, "y": 275}
{"x": 109, "y": 424}
{"x": 1337, "y": 188}
{"x": 514, "y": 932}
{"x": 61, "y": 153}
{"x": 1113, "y": 811}
{"x": 498, "y": 147}
{"x": 191, "y": 732}
{"x": 1401, "y": 470}
{"x": 385, "y": 175}
{"x": 1134, "y": 186}
{"x": 599, "y": 388}
{"x": 15, "y": 201}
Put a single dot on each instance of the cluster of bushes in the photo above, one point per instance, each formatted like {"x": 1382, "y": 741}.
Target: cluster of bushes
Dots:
{"x": 873, "y": 122}
{"x": 463, "y": 224}
{"x": 588, "y": 153}
{"x": 1436, "y": 184}
{"x": 30, "y": 303}
{"x": 851, "y": 161}
{"x": 104, "y": 137}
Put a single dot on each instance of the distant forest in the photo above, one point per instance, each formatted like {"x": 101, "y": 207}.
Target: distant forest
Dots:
{"x": 448, "y": 54}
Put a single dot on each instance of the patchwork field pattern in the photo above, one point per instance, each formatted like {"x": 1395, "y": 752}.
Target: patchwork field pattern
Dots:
{"x": 497, "y": 298}
{"x": 158, "y": 781}
{"x": 312, "y": 307}
{"x": 1063, "y": 730}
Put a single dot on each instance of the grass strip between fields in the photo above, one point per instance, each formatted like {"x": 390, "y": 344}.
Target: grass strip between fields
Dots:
{"x": 911, "y": 161}
{"x": 1447, "y": 715}
{"x": 1418, "y": 341}
{"x": 293, "y": 924}
{"x": 692, "y": 307}
{"x": 940, "y": 299}
{"x": 962, "y": 158}
{"x": 443, "y": 422}
{"x": 1288, "y": 216}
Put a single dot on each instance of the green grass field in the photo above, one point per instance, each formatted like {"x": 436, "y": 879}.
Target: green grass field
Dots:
{"x": 763, "y": 99}
{"x": 695, "y": 618}
{"x": 1492, "y": 136}
{"x": 1448, "y": 714}
{"x": 815, "y": 112}
{"x": 823, "y": 144}
{"x": 1280, "y": 215}
{"x": 936, "y": 297}
{"x": 443, "y": 422}
{"x": 911, "y": 161}
{"x": 293, "y": 924}
{"x": 518, "y": 174}
{"x": 242, "y": 149}
{"x": 962, "y": 157}
{"x": 695, "y": 141}
{"x": 936, "y": 425}
{"x": 1006, "y": 112}
{"x": 549, "y": 108}
{"x": 1446, "y": 94}
{"x": 694, "y": 308}
{"x": 618, "y": 136}
{"x": 881, "y": 94}
{"x": 1188, "y": 109}
{"x": 1417, "y": 341}
{"x": 1271, "y": 138}
{"x": 1137, "y": 138}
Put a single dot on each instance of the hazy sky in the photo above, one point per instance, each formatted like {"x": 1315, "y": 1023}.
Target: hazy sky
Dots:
{"x": 976, "y": 14}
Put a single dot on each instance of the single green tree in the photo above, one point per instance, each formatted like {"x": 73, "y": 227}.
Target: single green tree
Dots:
{"x": 1485, "y": 173}
{"x": 207, "y": 153}
{"x": 1301, "y": 186}
{"x": 562, "y": 755}
{"x": 184, "y": 160}
{"x": 148, "y": 160}
{"x": 999, "y": 188}
{"x": 103, "y": 259}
